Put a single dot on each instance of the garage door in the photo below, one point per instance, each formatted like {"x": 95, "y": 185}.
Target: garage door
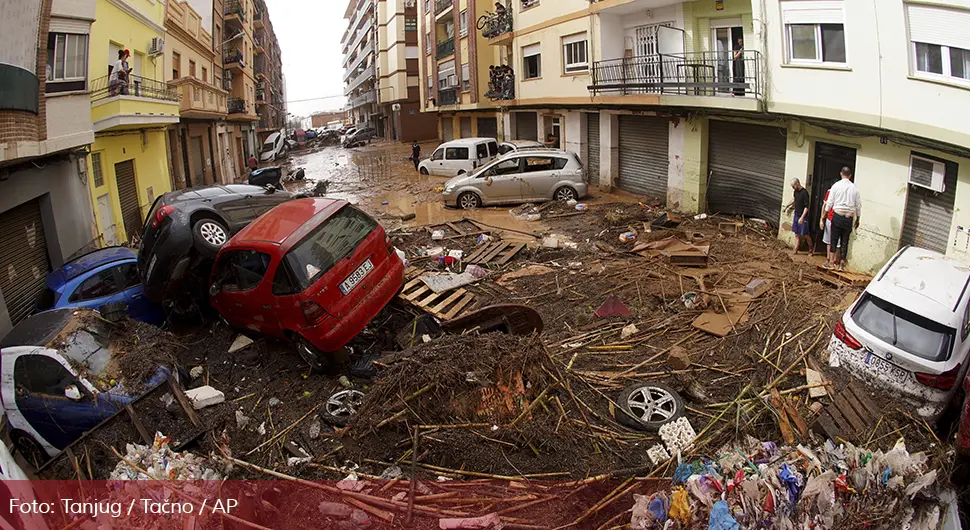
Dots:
{"x": 447, "y": 129}
{"x": 747, "y": 170}
{"x": 128, "y": 194}
{"x": 23, "y": 259}
{"x": 526, "y": 126}
{"x": 644, "y": 155}
{"x": 929, "y": 215}
{"x": 488, "y": 127}
{"x": 466, "y": 127}
{"x": 593, "y": 152}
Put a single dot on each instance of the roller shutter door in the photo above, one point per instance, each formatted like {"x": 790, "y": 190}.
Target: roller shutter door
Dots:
{"x": 466, "y": 127}
{"x": 24, "y": 264}
{"x": 593, "y": 151}
{"x": 747, "y": 170}
{"x": 447, "y": 129}
{"x": 644, "y": 155}
{"x": 526, "y": 126}
{"x": 488, "y": 127}
{"x": 128, "y": 195}
{"x": 929, "y": 215}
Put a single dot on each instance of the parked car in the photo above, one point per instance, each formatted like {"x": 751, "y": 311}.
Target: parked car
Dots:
{"x": 508, "y": 146}
{"x": 101, "y": 277}
{"x": 266, "y": 176}
{"x": 529, "y": 175}
{"x": 188, "y": 227}
{"x": 312, "y": 271}
{"x": 274, "y": 146}
{"x": 59, "y": 379}
{"x": 360, "y": 137}
{"x": 346, "y": 134}
{"x": 909, "y": 331}
{"x": 460, "y": 156}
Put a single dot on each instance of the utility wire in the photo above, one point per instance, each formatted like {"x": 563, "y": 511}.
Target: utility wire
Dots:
{"x": 314, "y": 99}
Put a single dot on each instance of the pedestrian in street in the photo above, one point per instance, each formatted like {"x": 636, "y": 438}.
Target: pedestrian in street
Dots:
{"x": 415, "y": 154}
{"x": 799, "y": 222}
{"x": 846, "y": 203}
{"x": 252, "y": 163}
{"x": 825, "y": 225}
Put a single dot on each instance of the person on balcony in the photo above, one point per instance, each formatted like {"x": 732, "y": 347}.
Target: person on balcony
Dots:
{"x": 118, "y": 77}
{"x": 739, "y": 67}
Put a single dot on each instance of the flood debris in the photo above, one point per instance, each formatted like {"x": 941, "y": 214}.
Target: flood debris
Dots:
{"x": 241, "y": 342}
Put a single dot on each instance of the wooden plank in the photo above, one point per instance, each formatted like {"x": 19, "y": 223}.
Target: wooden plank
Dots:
{"x": 479, "y": 251}
{"x": 184, "y": 402}
{"x": 843, "y": 425}
{"x": 795, "y": 417}
{"x": 138, "y": 425}
{"x": 854, "y": 420}
{"x": 455, "y": 228}
{"x": 421, "y": 291}
{"x": 516, "y": 248}
{"x": 459, "y": 306}
{"x": 783, "y": 423}
{"x": 868, "y": 419}
{"x": 77, "y": 463}
{"x": 411, "y": 284}
{"x": 828, "y": 426}
{"x": 444, "y": 303}
{"x": 489, "y": 256}
{"x": 430, "y": 298}
{"x": 865, "y": 400}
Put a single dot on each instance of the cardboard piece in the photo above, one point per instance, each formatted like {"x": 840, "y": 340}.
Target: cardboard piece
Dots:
{"x": 813, "y": 378}
{"x": 613, "y": 307}
{"x": 531, "y": 270}
{"x": 677, "y": 251}
{"x": 721, "y": 324}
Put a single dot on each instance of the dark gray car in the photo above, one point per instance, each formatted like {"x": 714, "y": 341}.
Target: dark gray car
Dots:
{"x": 360, "y": 137}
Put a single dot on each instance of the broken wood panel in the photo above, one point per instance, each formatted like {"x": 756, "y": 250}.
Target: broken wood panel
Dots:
{"x": 441, "y": 305}
{"x": 142, "y": 431}
{"x": 495, "y": 251}
{"x": 865, "y": 400}
{"x": 844, "y": 427}
{"x": 846, "y": 410}
{"x": 786, "y": 429}
{"x": 479, "y": 252}
{"x": 688, "y": 259}
{"x": 454, "y": 311}
{"x": 853, "y": 403}
{"x": 509, "y": 254}
{"x": 828, "y": 426}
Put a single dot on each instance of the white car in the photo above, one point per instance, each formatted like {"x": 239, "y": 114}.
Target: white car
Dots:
{"x": 909, "y": 332}
{"x": 508, "y": 146}
{"x": 459, "y": 157}
{"x": 273, "y": 147}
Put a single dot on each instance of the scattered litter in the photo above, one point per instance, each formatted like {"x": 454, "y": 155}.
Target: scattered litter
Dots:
{"x": 700, "y": 216}
{"x": 572, "y": 202}
{"x": 262, "y": 429}
{"x": 613, "y": 307}
{"x": 241, "y": 342}
{"x": 550, "y": 242}
{"x": 692, "y": 300}
{"x": 168, "y": 399}
{"x": 658, "y": 454}
{"x": 392, "y": 473}
{"x": 757, "y": 287}
{"x": 482, "y": 239}
{"x": 403, "y": 257}
{"x": 491, "y": 520}
{"x": 437, "y": 235}
{"x": 204, "y": 396}
{"x": 159, "y": 462}
{"x": 529, "y": 270}
{"x": 315, "y": 428}
{"x": 814, "y": 381}
{"x": 344, "y": 382}
{"x": 626, "y": 237}
{"x": 526, "y": 212}
{"x": 677, "y": 435}
{"x": 296, "y": 460}
{"x": 242, "y": 420}
{"x": 273, "y": 402}
{"x": 457, "y": 254}
{"x": 476, "y": 271}
{"x": 196, "y": 372}
{"x": 352, "y": 483}
{"x": 440, "y": 283}
{"x": 628, "y": 330}
{"x": 582, "y": 207}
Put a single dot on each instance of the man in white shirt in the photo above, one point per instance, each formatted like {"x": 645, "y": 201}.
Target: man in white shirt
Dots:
{"x": 846, "y": 203}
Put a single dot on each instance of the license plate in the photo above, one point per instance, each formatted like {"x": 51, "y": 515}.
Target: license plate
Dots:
{"x": 355, "y": 277}
{"x": 884, "y": 367}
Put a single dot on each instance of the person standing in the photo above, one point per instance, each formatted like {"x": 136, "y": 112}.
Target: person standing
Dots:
{"x": 738, "y": 66}
{"x": 799, "y": 222}
{"x": 415, "y": 154}
{"x": 846, "y": 203}
{"x": 825, "y": 225}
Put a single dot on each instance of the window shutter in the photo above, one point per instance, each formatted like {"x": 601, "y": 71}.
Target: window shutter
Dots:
{"x": 938, "y": 25}
{"x": 579, "y": 37}
{"x": 530, "y": 50}
{"x": 809, "y": 12}
{"x": 70, "y": 25}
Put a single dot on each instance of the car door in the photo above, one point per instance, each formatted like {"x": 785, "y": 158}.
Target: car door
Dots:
{"x": 457, "y": 159}
{"x": 437, "y": 164}
{"x": 240, "y": 295}
{"x": 265, "y": 200}
{"x": 139, "y": 307}
{"x": 228, "y": 204}
{"x": 39, "y": 383}
{"x": 100, "y": 286}
{"x": 539, "y": 177}
{"x": 501, "y": 181}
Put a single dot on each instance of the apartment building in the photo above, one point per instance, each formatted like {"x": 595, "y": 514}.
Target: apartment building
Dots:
{"x": 321, "y": 119}
{"x": 192, "y": 62}
{"x": 45, "y": 133}
{"x": 716, "y": 105}
{"x": 129, "y": 156}
{"x": 239, "y": 80}
{"x": 382, "y": 74}
{"x": 268, "y": 67}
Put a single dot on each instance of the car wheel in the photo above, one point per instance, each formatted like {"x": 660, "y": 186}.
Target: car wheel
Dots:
{"x": 25, "y": 444}
{"x": 209, "y": 236}
{"x": 424, "y": 171}
{"x": 468, "y": 201}
{"x": 310, "y": 354}
{"x": 566, "y": 193}
{"x": 647, "y": 407}
{"x": 342, "y": 406}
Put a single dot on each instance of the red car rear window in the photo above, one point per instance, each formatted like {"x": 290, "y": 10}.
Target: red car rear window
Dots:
{"x": 329, "y": 243}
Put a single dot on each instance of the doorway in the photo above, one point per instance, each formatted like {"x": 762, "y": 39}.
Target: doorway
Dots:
{"x": 829, "y": 161}
{"x": 725, "y": 34}
{"x": 107, "y": 221}
{"x": 239, "y": 158}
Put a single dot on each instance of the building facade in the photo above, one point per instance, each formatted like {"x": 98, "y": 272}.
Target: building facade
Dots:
{"x": 46, "y": 216}
{"x": 717, "y": 105}
{"x": 239, "y": 80}
{"x": 270, "y": 89}
{"x": 321, "y": 119}
{"x": 193, "y": 142}
{"x": 382, "y": 72}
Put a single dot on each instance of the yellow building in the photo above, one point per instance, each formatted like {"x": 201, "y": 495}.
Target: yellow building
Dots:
{"x": 128, "y": 161}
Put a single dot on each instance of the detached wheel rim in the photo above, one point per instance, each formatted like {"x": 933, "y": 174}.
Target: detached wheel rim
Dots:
{"x": 651, "y": 404}
{"x": 468, "y": 201}
{"x": 308, "y": 355}
{"x": 213, "y": 234}
{"x": 565, "y": 194}
{"x": 344, "y": 404}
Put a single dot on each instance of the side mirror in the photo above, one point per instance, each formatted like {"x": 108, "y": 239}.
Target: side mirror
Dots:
{"x": 488, "y": 181}
{"x": 270, "y": 189}
{"x": 71, "y": 392}
{"x": 214, "y": 289}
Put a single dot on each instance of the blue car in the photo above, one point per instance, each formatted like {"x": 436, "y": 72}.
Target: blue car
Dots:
{"x": 98, "y": 278}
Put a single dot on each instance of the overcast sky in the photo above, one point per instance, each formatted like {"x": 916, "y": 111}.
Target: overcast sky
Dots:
{"x": 309, "y": 33}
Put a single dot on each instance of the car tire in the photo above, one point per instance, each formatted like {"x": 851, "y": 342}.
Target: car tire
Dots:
{"x": 468, "y": 201}
{"x": 25, "y": 444}
{"x": 341, "y": 407}
{"x": 647, "y": 407}
{"x": 424, "y": 171}
{"x": 209, "y": 236}
{"x": 566, "y": 193}
{"x": 317, "y": 360}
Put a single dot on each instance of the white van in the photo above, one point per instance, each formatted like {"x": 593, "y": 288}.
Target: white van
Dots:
{"x": 459, "y": 156}
{"x": 273, "y": 147}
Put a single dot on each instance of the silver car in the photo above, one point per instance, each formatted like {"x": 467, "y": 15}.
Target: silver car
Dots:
{"x": 526, "y": 175}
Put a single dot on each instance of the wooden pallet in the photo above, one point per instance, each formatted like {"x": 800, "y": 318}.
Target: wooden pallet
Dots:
{"x": 445, "y": 305}
{"x": 496, "y": 253}
{"x": 457, "y": 229}
{"x": 854, "y": 279}
{"x": 852, "y": 413}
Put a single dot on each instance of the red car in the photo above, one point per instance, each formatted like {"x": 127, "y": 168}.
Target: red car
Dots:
{"x": 313, "y": 271}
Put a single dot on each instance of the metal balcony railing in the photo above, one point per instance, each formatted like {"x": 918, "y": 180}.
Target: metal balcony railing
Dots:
{"x": 501, "y": 85}
{"x": 237, "y": 106}
{"x": 235, "y": 56}
{"x": 448, "y": 96}
{"x": 445, "y": 48}
{"x": 441, "y": 5}
{"x": 696, "y": 74}
{"x": 495, "y": 24}
{"x": 234, "y": 7}
{"x": 109, "y": 86}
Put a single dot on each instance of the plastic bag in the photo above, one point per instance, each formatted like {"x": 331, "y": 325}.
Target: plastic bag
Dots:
{"x": 680, "y": 506}
{"x": 721, "y": 518}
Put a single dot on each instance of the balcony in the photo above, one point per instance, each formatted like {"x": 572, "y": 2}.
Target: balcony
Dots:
{"x": 362, "y": 54}
{"x": 234, "y": 61}
{"x": 234, "y": 12}
{"x": 497, "y": 27}
{"x": 366, "y": 98}
{"x": 440, "y": 6}
{"x": 260, "y": 97}
{"x": 199, "y": 100}
{"x": 258, "y": 19}
{"x": 365, "y": 74}
{"x": 501, "y": 87}
{"x": 258, "y": 47}
{"x": 238, "y": 106}
{"x": 359, "y": 35}
{"x": 447, "y": 96}
{"x": 138, "y": 103}
{"x": 446, "y": 48}
{"x": 686, "y": 74}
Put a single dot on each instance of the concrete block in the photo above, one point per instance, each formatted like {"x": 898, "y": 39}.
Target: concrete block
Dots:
{"x": 204, "y": 396}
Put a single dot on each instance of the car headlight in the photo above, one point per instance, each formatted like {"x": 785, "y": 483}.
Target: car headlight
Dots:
{"x": 449, "y": 189}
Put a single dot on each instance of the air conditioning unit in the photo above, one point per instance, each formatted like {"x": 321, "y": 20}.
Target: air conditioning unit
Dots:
{"x": 927, "y": 173}
{"x": 227, "y": 84}
{"x": 157, "y": 47}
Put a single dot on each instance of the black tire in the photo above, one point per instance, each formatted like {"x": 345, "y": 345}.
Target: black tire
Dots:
{"x": 482, "y": 21}
{"x": 468, "y": 201}
{"x": 635, "y": 408}
{"x": 32, "y": 451}
{"x": 341, "y": 407}
{"x": 424, "y": 171}
{"x": 566, "y": 193}
{"x": 317, "y": 360}
{"x": 209, "y": 236}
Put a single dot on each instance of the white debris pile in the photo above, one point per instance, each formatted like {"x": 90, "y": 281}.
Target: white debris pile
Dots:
{"x": 678, "y": 435}
{"x": 159, "y": 462}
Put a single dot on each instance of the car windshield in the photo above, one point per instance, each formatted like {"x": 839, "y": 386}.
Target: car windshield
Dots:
{"x": 329, "y": 243}
{"x": 903, "y": 329}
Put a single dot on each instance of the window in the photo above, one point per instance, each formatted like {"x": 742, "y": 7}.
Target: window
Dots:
{"x": 940, "y": 42}
{"x": 100, "y": 285}
{"x": 529, "y": 3}
{"x": 463, "y": 23}
{"x": 176, "y": 65}
{"x": 96, "y": 170}
{"x": 534, "y": 163}
{"x": 466, "y": 82}
{"x": 481, "y": 150}
{"x": 427, "y": 43}
{"x": 814, "y": 31}
{"x": 903, "y": 329}
{"x": 438, "y": 155}
{"x": 503, "y": 168}
{"x": 329, "y": 243}
{"x": 39, "y": 374}
{"x": 191, "y": 68}
{"x": 427, "y": 6}
{"x": 67, "y": 57}
{"x": 196, "y": 93}
{"x": 574, "y": 53}
{"x": 942, "y": 60}
{"x": 532, "y": 61}
{"x": 205, "y": 75}
{"x": 242, "y": 270}
{"x": 456, "y": 153}
{"x": 410, "y": 24}
{"x": 492, "y": 148}
{"x": 446, "y": 75}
